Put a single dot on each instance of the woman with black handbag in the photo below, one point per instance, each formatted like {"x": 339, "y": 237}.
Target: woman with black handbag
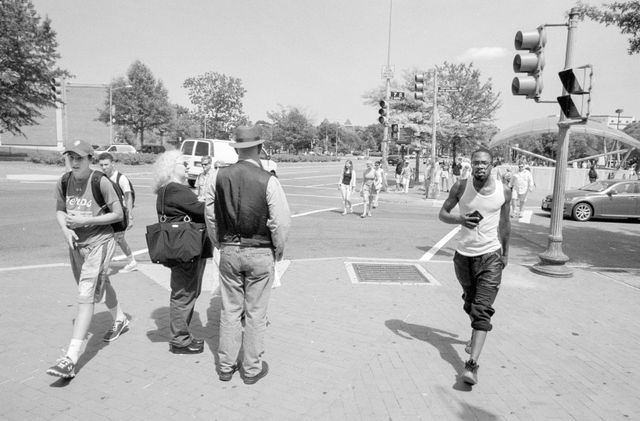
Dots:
{"x": 176, "y": 203}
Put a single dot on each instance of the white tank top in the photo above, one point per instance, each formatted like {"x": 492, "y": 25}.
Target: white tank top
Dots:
{"x": 484, "y": 238}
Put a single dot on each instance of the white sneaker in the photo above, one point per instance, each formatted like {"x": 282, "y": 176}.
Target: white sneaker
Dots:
{"x": 130, "y": 267}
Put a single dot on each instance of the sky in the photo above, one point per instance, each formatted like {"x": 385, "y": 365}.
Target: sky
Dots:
{"x": 324, "y": 55}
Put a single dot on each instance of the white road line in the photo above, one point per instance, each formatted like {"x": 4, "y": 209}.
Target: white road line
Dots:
{"x": 433, "y": 250}
{"x": 51, "y": 265}
{"x": 313, "y": 195}
{"x": 135, "y": 253}
{"x": 312, "y": 212}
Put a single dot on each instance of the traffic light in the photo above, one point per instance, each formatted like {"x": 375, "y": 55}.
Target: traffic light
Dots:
{"x": 531, "y": 63}
{"x": 419, "y": 87}
{"x": 56, "y": 89}
{"x": 394, "y": 132}
{"x": 383, "y": 112}
{"x": 576, "y": 94}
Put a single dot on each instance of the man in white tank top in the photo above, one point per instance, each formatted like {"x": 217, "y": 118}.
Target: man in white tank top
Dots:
{"x": 483, "y": 249}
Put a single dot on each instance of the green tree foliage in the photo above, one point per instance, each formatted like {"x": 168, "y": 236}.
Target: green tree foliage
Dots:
{"x": 141, "y": 102}
{"x": 292, "y": 129}
{"x": 623, "y": 14}
{"x": 466, "y": 107}
{"x": 184, "y": 124}
{"x": 27, "y": 64}
{"x": 218, "y": 101}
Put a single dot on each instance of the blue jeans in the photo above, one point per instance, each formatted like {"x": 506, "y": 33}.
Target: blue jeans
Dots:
{"x": 480, "y": 278}
{"x": 246, "y": 276}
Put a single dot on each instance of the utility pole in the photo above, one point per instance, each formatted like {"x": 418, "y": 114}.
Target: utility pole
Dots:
{"x": 433, "y": 186}
{"x": 388, "y": 75}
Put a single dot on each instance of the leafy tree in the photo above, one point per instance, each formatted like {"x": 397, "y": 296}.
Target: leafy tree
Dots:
{"x": 184, "y": 124}
{"x": 466, "y": 106}
{"x": 141, "y": 103}
{"x": 27, "y": 64}
{"x": 623, "y": 14}
{"x": 292, "y": 129}
{"x": 218, "y": 101}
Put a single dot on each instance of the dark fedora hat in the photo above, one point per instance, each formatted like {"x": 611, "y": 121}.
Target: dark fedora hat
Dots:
{"x": 246, "y": 137}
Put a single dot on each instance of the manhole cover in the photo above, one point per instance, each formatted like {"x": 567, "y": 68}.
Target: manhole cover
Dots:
{"x": 389, "y": 273}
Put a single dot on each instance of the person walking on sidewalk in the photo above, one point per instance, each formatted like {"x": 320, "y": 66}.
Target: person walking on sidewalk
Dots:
{"x": 176, "y": 201}
{"x": 248, "y": 218}
{"x": 379, "y": 182}
{"x": 483, "y": 250}
{"x": 368, "y": 190}
{"x": 521, "y": 183}
{"x": 105, "y": 160}
{"x": 347, "y": 185}
{"x": 201, "y": 179}
{"x": 86, "y": 227}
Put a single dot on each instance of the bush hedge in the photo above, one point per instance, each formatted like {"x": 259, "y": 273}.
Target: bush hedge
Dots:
{"x": 285, "y": 157}
{"x": 56, "y": 158}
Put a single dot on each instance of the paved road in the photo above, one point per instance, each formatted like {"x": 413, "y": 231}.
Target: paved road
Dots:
{"x": 561, "y": 349}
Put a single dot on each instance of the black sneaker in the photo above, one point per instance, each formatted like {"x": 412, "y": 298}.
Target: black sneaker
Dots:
{"x": 470, "y": 373}
{"x": 226, "y": 376}
{"x": 261, "y": 374}
{"x": 64, "y": 368}
{"x": 119, "y": 327}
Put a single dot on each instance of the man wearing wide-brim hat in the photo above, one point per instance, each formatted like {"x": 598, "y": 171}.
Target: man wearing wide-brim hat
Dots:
{"x": 248, "y": 219}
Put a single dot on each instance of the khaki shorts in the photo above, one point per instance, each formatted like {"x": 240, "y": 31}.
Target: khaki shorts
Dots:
{"x": 90, "y": 266}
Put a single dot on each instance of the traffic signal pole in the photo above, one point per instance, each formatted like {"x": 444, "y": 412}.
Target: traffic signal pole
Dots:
{"x": 552, "y": 260}
{"x": 433, "y": 186}
{"x": 387, "y": 96}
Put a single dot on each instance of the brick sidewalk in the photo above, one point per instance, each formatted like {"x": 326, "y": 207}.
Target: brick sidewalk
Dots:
{"x": 561, "y": 349}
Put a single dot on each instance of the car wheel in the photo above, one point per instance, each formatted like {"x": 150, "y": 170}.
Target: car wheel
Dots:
{"x": 582, "y": 212}
{"x": 192, "y": 183}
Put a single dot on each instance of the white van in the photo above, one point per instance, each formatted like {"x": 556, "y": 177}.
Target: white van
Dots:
{"x": 219, "y": 150}
{"x": 119, "y": 148}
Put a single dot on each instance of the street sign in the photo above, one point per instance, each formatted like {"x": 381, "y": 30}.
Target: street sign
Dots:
{"x": 387, "y": 72}
{"x": 397, "y": 95}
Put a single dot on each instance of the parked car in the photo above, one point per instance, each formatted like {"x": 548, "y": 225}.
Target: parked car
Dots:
{"x": 152, "y": 149}
{"x": 219, "y": 150}
{"x": 394, "y": 159}
{"x": 603, "y": 198}
{"x": 128, "y": 149}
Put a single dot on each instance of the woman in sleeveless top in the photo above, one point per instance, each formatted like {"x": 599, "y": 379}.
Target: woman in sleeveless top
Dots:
{"x": 368, "y": 190}
{"x": 347, "y": 184}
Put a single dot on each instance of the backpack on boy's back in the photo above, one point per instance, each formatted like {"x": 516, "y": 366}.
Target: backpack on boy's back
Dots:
{"x": 133, "y": 192}
{"x": 96, "y": 176}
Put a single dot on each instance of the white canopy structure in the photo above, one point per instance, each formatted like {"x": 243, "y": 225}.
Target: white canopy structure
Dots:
{"x": 550, "y": 125}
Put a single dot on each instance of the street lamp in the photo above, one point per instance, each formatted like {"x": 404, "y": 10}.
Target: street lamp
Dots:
{"x": 618, "y": 111}
{"x": 111, "y": 108}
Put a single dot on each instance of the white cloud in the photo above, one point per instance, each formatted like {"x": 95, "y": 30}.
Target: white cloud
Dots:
{"x": 483, "y": 53}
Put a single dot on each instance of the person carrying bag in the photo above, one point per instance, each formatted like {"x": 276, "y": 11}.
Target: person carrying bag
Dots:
{"x": 179, "y": 242}
{"x": 173, "y": 243}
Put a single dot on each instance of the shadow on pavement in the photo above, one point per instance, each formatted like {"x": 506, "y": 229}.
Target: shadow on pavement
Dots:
{"x": 163, "y": 333}
{"x": 213, "y": 326}
{"x": 100, "y": 323}
{"x": 440, "y": 339}
{"x": 584, "y": 244}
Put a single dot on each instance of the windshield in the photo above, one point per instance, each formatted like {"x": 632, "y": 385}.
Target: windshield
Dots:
{"x": 597, "y": 186}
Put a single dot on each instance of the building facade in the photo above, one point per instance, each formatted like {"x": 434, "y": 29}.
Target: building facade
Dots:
{"x": 78, "y": 120}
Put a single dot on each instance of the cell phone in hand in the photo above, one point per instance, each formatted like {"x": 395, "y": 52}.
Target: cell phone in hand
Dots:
{"x": 476, "y": 214}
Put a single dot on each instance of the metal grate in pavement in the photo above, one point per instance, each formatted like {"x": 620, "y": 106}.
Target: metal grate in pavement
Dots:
{"x": 389, "y": 273}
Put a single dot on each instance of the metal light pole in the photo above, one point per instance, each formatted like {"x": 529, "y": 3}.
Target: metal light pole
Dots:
{"x": 111, "y": 109}
{"x": 618, "y": 111}
{"x": 433, "y": 193}
{"x": 552, "y": 260}
{"x": 387, "y": 96}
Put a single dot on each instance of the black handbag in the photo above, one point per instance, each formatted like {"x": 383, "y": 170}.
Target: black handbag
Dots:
{"x": 175, "y": 243}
